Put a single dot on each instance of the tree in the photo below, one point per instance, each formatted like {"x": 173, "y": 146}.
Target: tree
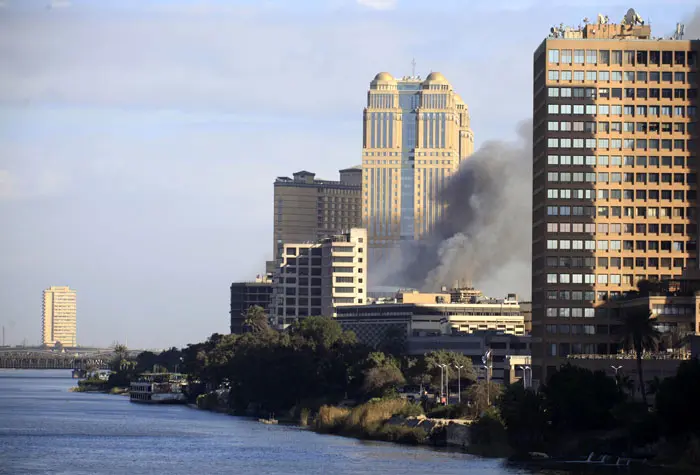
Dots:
{"x": 677, "y": 399}
{"x": 382, "y": 375}
{"x": 479, "y": 396}
{"x": 120, "y": 354}
{"x": 525, "y": 417}
{"x": 579, "y": 399}
{"x": 639, "y": 334}
{"x": 393, "y": 341}
{"x": 434, "y": 359}
{"x": 255, "y": 319}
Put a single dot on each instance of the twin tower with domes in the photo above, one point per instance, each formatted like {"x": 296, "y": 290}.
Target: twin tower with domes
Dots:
{"x": 416, "y": 132}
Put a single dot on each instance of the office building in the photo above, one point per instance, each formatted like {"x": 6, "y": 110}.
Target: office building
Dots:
{"x": 307, "y": 209}
{"x": 614, "y": 178}
{"x": 314, "y": 279}
{"x": 416, "y": 133}
{"x": 249, "y": 294}
{"x": 59, "y": 317}
{"x": 415, "y": 314}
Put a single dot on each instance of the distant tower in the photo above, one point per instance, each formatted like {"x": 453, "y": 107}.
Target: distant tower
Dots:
{"x": 59, "y": 317}
{"x": 416, "y": 133}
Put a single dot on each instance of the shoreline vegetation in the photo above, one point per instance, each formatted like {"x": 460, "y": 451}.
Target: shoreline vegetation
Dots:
{"x": 318, "y": 376}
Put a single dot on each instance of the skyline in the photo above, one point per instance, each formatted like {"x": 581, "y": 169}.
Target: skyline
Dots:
{"x": 138, "y": 155}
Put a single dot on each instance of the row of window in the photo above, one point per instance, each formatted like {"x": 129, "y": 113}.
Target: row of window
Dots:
{"x": 678, "y": 77}
{"x": 564, "y": 329}
{"x": 620, "y": 110}
{"x": 566, "y": 312}
{"x": 618, "y": 245}
{"x": 622, "y": 92}
{"x": 619, "y": 161}
{"x": 601, "y": 295}
{"x": 628, "y": 195}
{"x": 619, "y": 57}
{"x": 592, "y": 279}
{"x": 621, "y": 177}
{"x": 620, "y": 211}
{"x": 620, "y": 228}
{"x": 619, "y": 262}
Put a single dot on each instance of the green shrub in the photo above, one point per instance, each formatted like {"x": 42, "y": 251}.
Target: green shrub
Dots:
{"x": 488, "y": 429}
{"x": 452, "y": 411}
{"x": 330, "y": 419}
{"x": 411, "y": 410}
{"x": 402, "y": 434}
{"x": 304, "y": 416}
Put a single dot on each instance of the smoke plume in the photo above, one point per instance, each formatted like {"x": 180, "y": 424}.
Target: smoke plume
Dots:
{"x": 692, "y": 26}
{"x": 484, "y": 235}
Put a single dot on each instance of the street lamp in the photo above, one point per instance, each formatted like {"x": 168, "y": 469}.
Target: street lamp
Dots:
{"x": 527, "y": 381}
{"x": 459, "y": 383}
{"x": 616, "y": 369}
{"x": 486, "y": 359}
{"x": 442, "y": 380}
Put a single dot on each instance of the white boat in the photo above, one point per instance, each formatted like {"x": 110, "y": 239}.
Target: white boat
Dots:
{"x": 158, "y": 388}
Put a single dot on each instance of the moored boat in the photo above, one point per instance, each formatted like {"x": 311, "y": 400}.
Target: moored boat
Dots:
{"x": 158, "y": 388}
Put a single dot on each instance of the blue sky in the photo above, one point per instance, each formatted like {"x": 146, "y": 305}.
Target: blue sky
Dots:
{"x": 139, "y": 139}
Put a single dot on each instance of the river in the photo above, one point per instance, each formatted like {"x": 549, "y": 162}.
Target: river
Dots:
{"x": 46, "y": 429}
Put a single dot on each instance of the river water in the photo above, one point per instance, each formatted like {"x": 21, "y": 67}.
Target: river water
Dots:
{"x": 46, "y": 429}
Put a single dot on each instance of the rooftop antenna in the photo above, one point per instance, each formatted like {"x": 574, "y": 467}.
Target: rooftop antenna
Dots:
{"x": 413, "y": 67}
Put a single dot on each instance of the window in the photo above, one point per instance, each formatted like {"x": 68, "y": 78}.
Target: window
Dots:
{"x": 591, "y": 56}
{"x": 566, "y": 56}
{"x": 554, "y": 56}
{"x": 553, "y": 75}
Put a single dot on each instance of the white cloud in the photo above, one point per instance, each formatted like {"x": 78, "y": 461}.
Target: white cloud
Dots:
{"x": 379, "y": 4}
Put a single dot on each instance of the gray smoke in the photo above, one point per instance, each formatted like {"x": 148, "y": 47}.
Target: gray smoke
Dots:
{"x": 484, "y": 235}
{"x": 692, "y": 26}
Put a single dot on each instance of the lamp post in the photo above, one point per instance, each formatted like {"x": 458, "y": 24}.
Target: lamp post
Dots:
{"x": 459, "y": 383}
{"x": 527, "y": 378}
{"x": 447, "y": 384}
{"x": 616, "y": 369}
{"x": 442, "y": 380}
{"x": 486, "y": 359}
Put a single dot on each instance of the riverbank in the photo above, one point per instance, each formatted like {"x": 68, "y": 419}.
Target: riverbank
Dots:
{"x": 99, "y": 388}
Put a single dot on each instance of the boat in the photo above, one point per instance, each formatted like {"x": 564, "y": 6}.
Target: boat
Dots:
{"x": 269, "y": 420}
{"x": 158, "y": 388}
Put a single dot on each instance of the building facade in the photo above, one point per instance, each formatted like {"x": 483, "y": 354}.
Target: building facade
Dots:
{"x": 614, "y": 178}
{"x": 314, "y": 279}
{"x": 416, "y": 133}
{"x": 59, "y": 317}
{"x": 414, "y": 314}
{"x": 307, "y": 209}
{"x": 249, "y": 294}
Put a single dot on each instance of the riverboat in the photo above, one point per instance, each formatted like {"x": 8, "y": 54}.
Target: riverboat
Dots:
{"x": 158, "y": 388}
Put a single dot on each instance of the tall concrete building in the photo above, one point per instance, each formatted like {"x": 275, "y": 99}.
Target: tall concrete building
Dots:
{"x": 416, "y": 133}
{"x": 307, "y": 209}
{"x": 313, "y": 279}
{"x": 615, "y": 178}
{"x": 59, "y": 317}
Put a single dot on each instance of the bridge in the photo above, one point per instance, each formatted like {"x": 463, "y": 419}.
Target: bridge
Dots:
{"x": 41, "y": 358}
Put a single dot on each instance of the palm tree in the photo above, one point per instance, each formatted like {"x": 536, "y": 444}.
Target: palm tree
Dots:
{"x": 255, "y": 319}
{"x": 639, "y": 334}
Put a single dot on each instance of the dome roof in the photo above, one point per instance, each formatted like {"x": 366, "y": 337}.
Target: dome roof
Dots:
{"x": 435, "y": 76}
{"x": 383, "y": 76}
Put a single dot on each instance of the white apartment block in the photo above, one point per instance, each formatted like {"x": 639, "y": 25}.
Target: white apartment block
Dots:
{"x": 314, "y": 278}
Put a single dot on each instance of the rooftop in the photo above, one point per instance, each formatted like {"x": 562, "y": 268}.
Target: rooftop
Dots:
{"x": 630, "y": 27}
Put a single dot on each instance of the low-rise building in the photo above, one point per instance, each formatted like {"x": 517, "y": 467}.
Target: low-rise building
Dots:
{"x": 248, "y": 294}
{"x": 317, "y": 278}
{"x": 418, "y": 314}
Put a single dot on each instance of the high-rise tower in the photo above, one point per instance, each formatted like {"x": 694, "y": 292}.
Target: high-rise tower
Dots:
{"x": 614, "y": 178}
{"x": 59, "y": 317}
{"x": 416, "y": 133}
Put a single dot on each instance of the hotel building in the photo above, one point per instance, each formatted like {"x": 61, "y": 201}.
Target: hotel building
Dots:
{"x": 59, "y": 317}
{"x": 614, "y": 178}
{"x": 307, "y": 209}
{"x": 416, "y": 133}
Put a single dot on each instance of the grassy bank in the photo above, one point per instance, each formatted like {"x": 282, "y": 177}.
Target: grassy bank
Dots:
{"x": 370, "y": 421}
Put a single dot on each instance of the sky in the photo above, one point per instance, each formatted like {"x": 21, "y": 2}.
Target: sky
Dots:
{"x": 139, "y": 139}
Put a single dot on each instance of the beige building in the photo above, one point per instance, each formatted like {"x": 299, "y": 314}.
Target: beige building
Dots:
{"x": 307, "y": 209}
{"x": 313, "y": 279}
{"x": 614, "y": 178}
{"x": 59, "y": 317}
{"x": 416, "y": 133}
